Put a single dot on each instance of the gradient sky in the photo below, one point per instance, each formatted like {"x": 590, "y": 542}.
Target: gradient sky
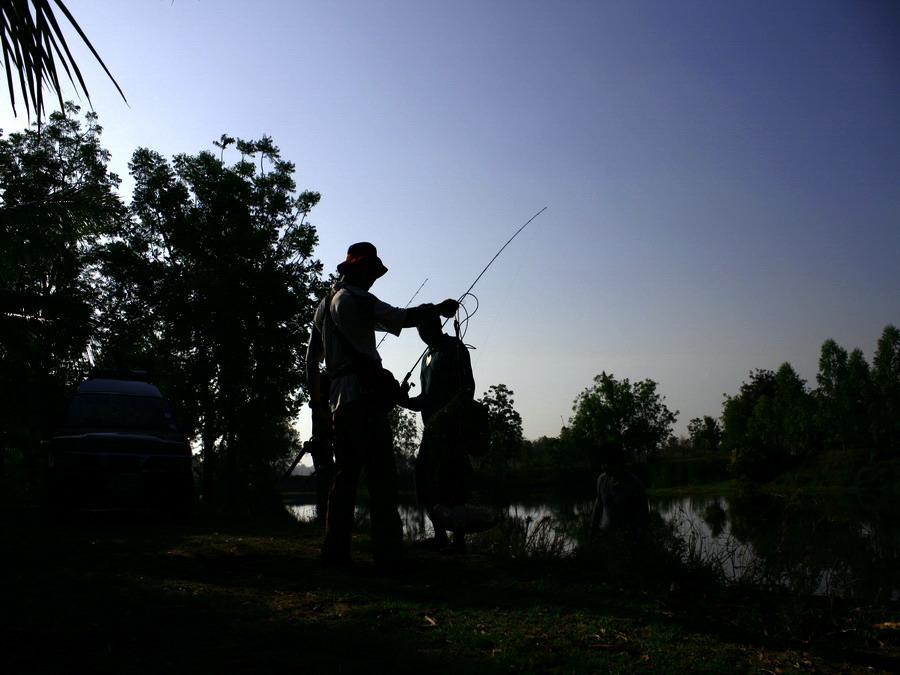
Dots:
{"x": 722, "y": 179}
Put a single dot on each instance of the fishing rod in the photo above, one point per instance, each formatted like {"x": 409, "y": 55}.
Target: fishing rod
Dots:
{"x": 469, "y": 290}
{"x": 498, "y": 254}
{"x": 407, "y": 305}
{"x": 416, "y": 293}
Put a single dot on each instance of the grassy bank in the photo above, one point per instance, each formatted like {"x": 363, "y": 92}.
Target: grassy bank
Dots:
{"x": 116, "y": 594}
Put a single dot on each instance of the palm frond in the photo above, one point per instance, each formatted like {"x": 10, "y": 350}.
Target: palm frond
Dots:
{"x": 35, "y": 49}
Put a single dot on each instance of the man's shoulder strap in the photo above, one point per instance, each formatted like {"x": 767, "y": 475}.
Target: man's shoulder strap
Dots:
{"x": 326, "y": 304}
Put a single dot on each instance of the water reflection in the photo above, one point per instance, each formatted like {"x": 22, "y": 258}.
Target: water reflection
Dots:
{"x": 831, "y": 546}
{"x": 415, "y": 524}
{"x": 566, "y": 519}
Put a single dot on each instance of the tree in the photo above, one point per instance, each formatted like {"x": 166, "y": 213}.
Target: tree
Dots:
{"x": 541, "y": 461}
{"x": 832, "y": 376}
{"x": 505, "y": 428}
{"x": 57, "y": 200}
{"x": 705, "y": 434}
{"x": 770, "y": 421}
{"x": 632, "y": 414}
{"x": 57, "y": 197}
{"x": 228, "y": 248}
{"x": 858, "y": 431}
{"x": 405, "y": 428}
{"x": 886, "y": 390}
{"x": 844, "y": 396}
{"x": 793, "y": 413}
{"x": 540, "y": 453}
{"x": 745, "y": 425}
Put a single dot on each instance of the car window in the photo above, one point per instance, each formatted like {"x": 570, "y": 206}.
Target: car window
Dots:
{"x": 118, "y": 411}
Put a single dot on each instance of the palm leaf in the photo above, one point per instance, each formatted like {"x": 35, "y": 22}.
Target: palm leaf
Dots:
{"x": 35, "y": 49}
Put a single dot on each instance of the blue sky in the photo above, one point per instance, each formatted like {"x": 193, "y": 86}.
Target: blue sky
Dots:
{"x": 722, "y": 179}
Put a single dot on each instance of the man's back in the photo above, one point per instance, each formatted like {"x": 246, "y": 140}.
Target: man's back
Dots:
{"x": 446, "y": 371}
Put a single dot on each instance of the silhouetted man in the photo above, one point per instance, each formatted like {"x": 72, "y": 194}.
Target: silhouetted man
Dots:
{"x": 442, "y": 465}
{"x": 356, "y": 401}
{"x": 622, "y": 507}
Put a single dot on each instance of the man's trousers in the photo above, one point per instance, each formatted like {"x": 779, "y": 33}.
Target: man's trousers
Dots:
{"x": 363, "y": 441}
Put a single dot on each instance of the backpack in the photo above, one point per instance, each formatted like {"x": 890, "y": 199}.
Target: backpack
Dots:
{"x": 464, "y": 423}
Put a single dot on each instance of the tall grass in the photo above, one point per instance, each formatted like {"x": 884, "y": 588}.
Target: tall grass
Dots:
{"x": 525, "y": 538}
{"x": 677, "y": 553}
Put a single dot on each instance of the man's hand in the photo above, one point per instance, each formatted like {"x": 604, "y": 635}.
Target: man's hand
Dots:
{"x": 413, "y": 403}
{"x": 417, "y": 316}
{"x": 448, "y": 308}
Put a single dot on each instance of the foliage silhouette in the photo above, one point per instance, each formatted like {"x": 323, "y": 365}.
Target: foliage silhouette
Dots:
{"x": 705, "y": 435}
{"x": 35, "y": 50}
{"x": 505, "y": 425}
{"x": 58, "y": 200}
{"x": 632, "y": 414}
{"x": 886, "y": 391}
{"x": 212, "y": 285}
{"x": 775, "y": 419}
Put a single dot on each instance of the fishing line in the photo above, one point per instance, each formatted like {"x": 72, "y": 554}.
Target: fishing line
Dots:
{"x": 463, "y": 324}
{"x": 469, "y": 289}
{"x": 500, "y": 251}
{"x": 496, "y": 318}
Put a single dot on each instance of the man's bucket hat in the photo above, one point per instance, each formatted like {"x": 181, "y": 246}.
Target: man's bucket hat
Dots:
{"x": 362, "y": 255}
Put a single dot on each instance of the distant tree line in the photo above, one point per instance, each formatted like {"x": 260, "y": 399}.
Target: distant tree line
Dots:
{"x": 773, "y": 423}
{"x": 776, "y": 420}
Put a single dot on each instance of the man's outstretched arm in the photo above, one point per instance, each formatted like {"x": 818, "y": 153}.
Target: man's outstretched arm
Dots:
{"x": 416, "y": 316}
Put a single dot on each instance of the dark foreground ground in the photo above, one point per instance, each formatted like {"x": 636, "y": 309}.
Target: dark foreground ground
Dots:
{"x": 115, "y": 593}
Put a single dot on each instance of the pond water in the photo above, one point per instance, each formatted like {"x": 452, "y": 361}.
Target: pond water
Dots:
{"x": 846, "y": 545}
{"x": 832, "y": 545}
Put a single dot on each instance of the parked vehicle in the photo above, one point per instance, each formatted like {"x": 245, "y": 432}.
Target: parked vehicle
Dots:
{"x": 119, "y": 446}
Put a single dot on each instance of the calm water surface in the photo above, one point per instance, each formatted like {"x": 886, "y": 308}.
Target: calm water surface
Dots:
{"x": 824, "y": 545}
